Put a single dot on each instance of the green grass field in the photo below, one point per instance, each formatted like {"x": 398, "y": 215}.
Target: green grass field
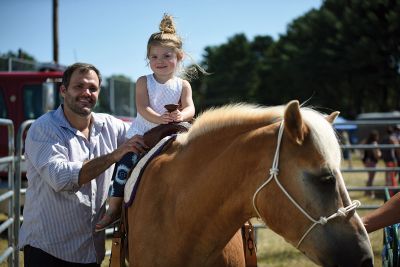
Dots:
{"x": 273, "y": 251}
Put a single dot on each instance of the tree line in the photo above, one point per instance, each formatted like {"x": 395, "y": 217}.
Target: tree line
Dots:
{"x": 343, "y": 56}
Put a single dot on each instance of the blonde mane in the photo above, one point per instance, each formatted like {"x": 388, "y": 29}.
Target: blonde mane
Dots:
{"x": 323, "y": 135}
{"x": 213, "y": 119}
{"x": 228, "y": 115}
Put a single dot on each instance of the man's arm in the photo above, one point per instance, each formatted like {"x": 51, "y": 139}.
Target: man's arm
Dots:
{"x": 94, "y": 167}
{"x": 387, "y": 214}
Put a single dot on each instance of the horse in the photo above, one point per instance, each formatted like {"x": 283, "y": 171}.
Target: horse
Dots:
{"x": 237, "y": 162}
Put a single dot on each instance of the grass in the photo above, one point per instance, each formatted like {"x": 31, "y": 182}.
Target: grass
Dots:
{"x": 274, "y": 251}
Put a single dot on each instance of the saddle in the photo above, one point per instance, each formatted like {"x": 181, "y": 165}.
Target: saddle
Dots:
{"x": 153, "y": 136}
{"x": 119, "y": 247}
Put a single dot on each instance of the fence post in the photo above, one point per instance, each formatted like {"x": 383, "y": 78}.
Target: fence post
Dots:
{"x": 17, "y": 183}
{"x": 8, "y": 224}
{"x": 9, "y": 64}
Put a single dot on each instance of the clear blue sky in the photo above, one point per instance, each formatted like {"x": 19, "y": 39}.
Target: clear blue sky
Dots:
{"x": 112, "y": 34}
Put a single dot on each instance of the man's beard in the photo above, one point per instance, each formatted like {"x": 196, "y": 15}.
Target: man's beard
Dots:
{"x": 74, "y": 106}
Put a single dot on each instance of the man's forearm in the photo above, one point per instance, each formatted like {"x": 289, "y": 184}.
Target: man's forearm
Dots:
{"x": 387, "y": 214}
{"x": 94, "y": 167}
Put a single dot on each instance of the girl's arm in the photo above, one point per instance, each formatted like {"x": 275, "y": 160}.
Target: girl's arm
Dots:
{"x": 186, "y": 113}
{"x": 377, "y": 152}
{"x": 387, "y": 214}
{"x": 143, "y": 104}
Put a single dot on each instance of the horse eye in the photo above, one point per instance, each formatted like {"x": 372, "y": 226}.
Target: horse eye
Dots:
{"x": 324, "y": 178}
{"x": 328, "y": 179}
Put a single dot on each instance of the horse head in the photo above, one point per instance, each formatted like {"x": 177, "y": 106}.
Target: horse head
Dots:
{"x": 304, "y": 198}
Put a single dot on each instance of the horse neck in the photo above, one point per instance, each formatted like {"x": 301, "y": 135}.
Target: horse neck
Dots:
{"x": 231, "y": 164}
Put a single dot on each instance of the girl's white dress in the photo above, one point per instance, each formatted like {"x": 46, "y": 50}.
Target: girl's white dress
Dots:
{"x": 159, "y": 96}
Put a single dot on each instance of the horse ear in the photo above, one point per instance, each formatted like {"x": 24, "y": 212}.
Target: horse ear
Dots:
{"x": 293, "y": 122}
{"x": 332, "y": 117}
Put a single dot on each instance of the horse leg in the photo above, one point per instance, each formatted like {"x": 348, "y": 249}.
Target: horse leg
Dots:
{"x": 233, "y": 254}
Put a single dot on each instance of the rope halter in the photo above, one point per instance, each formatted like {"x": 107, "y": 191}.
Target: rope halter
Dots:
{"x": 273, "y": 175}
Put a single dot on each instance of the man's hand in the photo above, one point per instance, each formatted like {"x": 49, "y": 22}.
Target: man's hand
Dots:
{"x": 135, "y": 145}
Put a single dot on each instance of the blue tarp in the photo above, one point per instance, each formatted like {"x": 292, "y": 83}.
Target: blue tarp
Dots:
{"x": 341, "y": 124}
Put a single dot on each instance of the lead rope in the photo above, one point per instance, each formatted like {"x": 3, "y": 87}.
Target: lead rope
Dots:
{"x": 273, "y": 174}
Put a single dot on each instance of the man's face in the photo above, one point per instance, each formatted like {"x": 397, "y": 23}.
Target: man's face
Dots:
{"x": 82, "y": 93}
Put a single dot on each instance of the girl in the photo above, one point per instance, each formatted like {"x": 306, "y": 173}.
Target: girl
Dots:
{"x": 153, "y": 92}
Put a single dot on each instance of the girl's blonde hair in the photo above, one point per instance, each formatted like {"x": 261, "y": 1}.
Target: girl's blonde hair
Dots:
{"x": 168, "y": 37}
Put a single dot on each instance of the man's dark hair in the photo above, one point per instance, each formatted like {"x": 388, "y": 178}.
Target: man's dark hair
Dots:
{"x": 82, "y": 67}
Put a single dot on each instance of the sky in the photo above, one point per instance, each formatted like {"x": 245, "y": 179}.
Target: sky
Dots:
{"x": 113, "y": 34}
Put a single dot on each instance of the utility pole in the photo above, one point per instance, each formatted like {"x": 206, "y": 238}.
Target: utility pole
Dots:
{"x": 55, "y": 31}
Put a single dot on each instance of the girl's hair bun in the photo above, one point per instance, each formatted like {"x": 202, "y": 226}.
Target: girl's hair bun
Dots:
{"x": 167, "y": 24}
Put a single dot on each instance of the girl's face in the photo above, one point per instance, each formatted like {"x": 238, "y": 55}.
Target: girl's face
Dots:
{"x": 163, "y": 60}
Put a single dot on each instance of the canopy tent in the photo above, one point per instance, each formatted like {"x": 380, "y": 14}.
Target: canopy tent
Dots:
{"x": 341, "y": 124}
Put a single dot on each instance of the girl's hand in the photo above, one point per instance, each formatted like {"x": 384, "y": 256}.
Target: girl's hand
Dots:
{"x": 166, "y": 118}
{"x": 176, "y": 116}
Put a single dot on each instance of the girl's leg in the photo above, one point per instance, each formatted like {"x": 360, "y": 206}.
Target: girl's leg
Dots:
{"x": 112, "y": 215}
{"x": 121, "y": 171}
{"x": 371, "y": 176}
{"x": 391, "y": 177}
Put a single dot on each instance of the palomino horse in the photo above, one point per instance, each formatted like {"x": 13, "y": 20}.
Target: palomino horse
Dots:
{"x": 241, "y": 161}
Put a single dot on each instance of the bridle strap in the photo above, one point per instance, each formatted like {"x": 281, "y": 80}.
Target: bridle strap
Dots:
{"x": 273, "y": 172}
{"x": 273, "y": 175}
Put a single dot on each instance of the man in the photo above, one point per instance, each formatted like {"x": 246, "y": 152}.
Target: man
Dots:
{"x": 385, "y": 215}
{"x": 69, "y": 153}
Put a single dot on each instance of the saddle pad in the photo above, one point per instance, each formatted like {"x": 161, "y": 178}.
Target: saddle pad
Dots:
{"x": 133, "y": 181}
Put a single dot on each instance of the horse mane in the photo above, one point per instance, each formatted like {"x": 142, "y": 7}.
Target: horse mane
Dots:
{"x": 229, "y": 115}
{"x": 322, "y": 132}
{"x": 324, "y": 136}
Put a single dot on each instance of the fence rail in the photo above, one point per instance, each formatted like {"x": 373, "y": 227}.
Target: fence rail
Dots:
{"x": 16, "y": 64}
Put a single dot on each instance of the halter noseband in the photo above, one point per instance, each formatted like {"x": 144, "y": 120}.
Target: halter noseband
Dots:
{"x": 273, "y": 174}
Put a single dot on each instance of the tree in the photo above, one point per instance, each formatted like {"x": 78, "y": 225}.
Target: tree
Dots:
{"x": 21, "y": 54}
{"x": 233, "y": 72}
{"x": 21, "y": 60}
{"x": 344, "y": 56}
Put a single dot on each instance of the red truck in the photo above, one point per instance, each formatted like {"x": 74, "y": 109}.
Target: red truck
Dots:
{"x": 28, "y": 95}
{"x": 25, "y": 96}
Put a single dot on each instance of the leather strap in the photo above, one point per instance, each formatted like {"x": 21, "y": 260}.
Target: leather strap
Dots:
{"x": 249, "y": 245}
{"x": 117, "y": 258}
